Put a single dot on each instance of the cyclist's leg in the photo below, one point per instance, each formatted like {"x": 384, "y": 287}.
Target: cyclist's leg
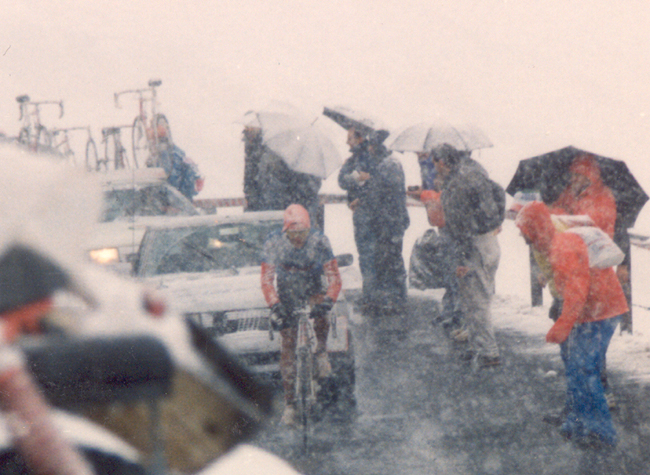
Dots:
{"x": 288, "y": 342}
{"x": 321, "y": 329}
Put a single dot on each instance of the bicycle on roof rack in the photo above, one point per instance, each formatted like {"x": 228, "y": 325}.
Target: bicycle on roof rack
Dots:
{"x": 115, "y": 157}
{"x": 148, "y": 126}
{"x": 62, "y": 146}
{"x": 33, "y": 134}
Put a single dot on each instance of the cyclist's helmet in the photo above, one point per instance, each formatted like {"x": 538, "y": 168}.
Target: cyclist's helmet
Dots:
{"x": 296, "y": 218}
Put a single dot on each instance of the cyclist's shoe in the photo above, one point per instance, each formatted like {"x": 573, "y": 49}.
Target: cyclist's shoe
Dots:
{"x": 323, "y": 366}
{"x": 289, "y": 416}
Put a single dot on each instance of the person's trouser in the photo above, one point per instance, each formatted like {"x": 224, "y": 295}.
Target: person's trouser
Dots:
{"x": 364, "y": 238}
{"x": 554, "y": 313}
{"x": 583, "y": 353}
{"x": 389, "y": 294}
{"x": 288, "y": 343}
{"x": 452, "y": 315}
{"x": 476, "y": 289}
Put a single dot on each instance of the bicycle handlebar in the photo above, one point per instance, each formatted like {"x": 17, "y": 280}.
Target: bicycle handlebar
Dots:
{"x": 153, "y": 83}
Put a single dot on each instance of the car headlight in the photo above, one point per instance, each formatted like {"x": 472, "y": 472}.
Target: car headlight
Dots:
{"x": 108, "y": 255}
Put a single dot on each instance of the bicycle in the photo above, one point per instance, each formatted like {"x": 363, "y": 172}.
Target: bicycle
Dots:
{"x": 115, "y": 157}
{"x": 33, "y": 134}
{"x": 62, "y": 146}
{"x": 146, "y": 135}
{"x": 307, "y": 384}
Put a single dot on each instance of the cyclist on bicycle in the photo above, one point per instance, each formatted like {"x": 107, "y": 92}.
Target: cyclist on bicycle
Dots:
{"x": 300, "y": 257}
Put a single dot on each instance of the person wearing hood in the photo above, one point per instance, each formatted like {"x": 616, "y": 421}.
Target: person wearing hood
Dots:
{"x": 300, "y": 256}
{"x": 473, "y": 218}
{"x": 593, "y": 301}
{"x": 586, "y": 194}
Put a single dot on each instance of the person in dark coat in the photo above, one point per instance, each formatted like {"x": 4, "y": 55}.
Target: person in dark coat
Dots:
{"x": 389, "y": 219}
{"x": 253, "y": 150}
{"x": 281, "y": 186}
{"x": 475, "y": 250}
{"x": 354, "y": 174}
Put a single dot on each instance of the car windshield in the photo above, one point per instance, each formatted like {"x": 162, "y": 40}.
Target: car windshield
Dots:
{"x": 203, "y": 248}
{"x": 154, "y": 200}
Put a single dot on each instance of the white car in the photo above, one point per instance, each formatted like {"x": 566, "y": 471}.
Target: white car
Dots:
{"x": 209, "y": 269}
{"x": 133, "y": 200}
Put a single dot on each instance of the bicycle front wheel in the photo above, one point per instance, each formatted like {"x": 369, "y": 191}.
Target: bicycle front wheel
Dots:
{"x": 140, "y": 143}
{"x": 111, "y": 153}
{"x": 305, "y": 391}
{"x": 92, "y": 158}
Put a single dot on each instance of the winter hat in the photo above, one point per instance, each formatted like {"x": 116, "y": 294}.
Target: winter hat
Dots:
{"x": 296, "y": 218}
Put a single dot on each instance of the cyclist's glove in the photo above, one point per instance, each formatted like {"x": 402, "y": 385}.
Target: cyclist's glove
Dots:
{"x": 279, "y": 315}
{"x": 320, "y": 310}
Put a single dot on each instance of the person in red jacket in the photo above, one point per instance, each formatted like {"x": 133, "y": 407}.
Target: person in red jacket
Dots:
{"x": 586, "y": 194}
{"x": 593, "y": 302}
{"x": 300, "y": 256}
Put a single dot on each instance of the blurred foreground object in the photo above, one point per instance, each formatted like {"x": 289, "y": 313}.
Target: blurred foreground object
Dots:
{"x": 170, "y": 391}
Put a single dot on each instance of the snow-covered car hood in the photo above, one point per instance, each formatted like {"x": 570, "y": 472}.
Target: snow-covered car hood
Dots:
{"x": 211, "y": 291}
{"x": 225, "y": 290}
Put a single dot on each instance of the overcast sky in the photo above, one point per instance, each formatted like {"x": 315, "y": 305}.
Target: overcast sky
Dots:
{"x": 534, "y": 76}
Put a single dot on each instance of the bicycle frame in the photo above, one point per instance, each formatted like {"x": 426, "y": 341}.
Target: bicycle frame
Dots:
{"x": 146, "y": 136}
{"x": 33, "y": 133}
{"x": 62, "y": 146}
{"x": 119, "y": 159}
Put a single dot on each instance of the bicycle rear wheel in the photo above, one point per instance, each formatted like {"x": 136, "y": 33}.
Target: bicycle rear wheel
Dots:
{"x": 140, "y": 143}
{"x": 92, "y": 158}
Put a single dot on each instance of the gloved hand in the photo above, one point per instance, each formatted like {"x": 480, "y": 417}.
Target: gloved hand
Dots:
{"x": 278, "y": 316}
{"x": 560, "y": 331}
{"x": 321, "y": 309}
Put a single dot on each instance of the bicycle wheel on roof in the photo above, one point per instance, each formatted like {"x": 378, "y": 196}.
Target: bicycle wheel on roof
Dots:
{"x": 92, "y": 158}
{"x": 140, "y": 143}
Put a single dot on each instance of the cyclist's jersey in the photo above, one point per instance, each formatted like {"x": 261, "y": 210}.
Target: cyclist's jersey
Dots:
{"x": 300, "y": 272}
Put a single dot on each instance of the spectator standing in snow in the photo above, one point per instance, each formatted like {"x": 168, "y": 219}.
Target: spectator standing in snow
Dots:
{"x": 473, "y": 218}
{"x": 593, "y": 301}
{"x": 182, "y": 173}
{"x": 281, "y": 186}
{"x": 586, "y": 194}
{"x": 253, "y": 150}
{"x": 439, "y": 263}
{"x": 300, "y": 256}
{"x": 389, "y": 219}
{"x": 354, "y": 174}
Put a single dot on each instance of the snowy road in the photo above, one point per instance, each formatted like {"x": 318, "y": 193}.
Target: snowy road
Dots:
{"x": 422, "y": 410}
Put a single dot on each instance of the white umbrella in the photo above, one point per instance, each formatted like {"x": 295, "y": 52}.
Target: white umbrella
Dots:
{"x": 429, "y": 135}
{"x": 302, "y": 145}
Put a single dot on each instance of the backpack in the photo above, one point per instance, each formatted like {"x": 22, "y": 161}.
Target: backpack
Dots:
{"x": 490, "y": 210}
